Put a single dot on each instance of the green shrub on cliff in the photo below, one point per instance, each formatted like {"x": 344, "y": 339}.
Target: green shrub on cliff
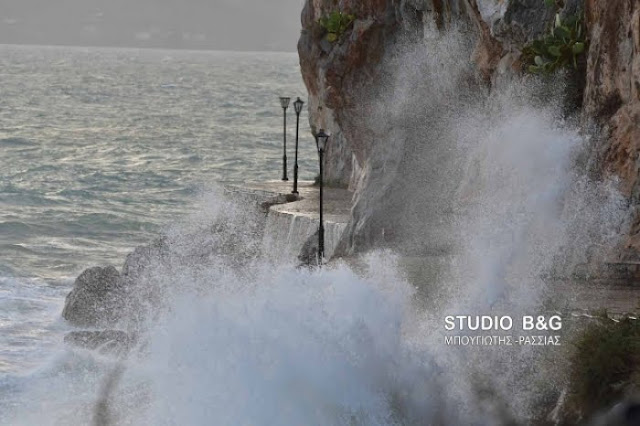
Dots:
{"x": 562, "y": 47}
{"x": 605, "y": 364}
{"x": 336, "y": 24}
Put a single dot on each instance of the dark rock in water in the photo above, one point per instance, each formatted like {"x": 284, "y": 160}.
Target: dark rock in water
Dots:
{"x": 142, "y": 258}
{"x": 107, "y": 341}
{"x": 97, "y": 298}
{"x": 104, "y": 298}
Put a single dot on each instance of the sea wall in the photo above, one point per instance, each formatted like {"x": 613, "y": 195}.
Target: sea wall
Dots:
{"x": 292, "y": 222}
{"x": 286, "y": 233}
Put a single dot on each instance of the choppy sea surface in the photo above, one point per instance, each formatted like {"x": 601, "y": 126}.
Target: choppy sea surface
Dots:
{"x": 100, "y": 149}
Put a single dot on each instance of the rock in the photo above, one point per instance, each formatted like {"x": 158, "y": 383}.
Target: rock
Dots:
{"x": 335, "y": 73}
{"x": 338, "y": 76}
{"x": 612, "y": 96}
{"x": 505, "y": 27}
{"x": 102, "y": 297}
{"x": 521, "y": 22}
{"x": 142, "y": 258}
{"x": 345, "y": 82}
{"x": 97, "y": 298}
{"x": 623, "y": 149}
{"x": 626, "y": 413}
{"x": 488, "y": 50}
{"x": 113, "y": 342}
{"x": 613, "y": 76}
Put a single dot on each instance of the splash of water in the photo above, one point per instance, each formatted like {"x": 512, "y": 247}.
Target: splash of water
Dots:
{"x": 487, "y": 192}
{"x": 485, "y": 181}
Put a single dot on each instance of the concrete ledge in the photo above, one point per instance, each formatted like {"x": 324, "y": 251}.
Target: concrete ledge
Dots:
{"x": 291, "y": 223}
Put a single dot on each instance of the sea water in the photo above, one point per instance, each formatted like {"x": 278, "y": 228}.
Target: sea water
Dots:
{"x": 102, "y": 149}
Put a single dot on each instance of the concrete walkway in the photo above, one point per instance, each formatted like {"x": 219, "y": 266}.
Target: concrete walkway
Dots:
{"x": 615, "y": 296}
{"x": 292, "y": 220}
{"x": 337, "y": 201}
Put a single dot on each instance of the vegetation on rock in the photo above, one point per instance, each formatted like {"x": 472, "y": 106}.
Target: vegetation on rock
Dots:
{"x": 336, "y": 24}
{"x": 560, "y": 48}
{"x": 563, "y": 46}
{"x": 605, "y": 364}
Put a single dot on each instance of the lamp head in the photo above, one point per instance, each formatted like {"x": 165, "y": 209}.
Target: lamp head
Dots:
{"x": 298, "y": 105}
{"x": 284, "y": 102}
{"x": 322, "y": 140}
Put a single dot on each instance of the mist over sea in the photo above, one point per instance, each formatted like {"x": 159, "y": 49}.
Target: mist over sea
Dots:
{"x": 102, "y": 149}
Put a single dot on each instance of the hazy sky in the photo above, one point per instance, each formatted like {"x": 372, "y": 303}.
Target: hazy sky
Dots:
{"x": 195, "y": 24}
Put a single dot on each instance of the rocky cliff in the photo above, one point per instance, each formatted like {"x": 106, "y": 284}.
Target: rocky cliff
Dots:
{"x": 344, "y": 79}
{"x": 612, "y": 95}
{"x": 336, "y": 73}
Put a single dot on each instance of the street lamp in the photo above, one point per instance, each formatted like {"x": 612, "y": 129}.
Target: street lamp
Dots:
{"x": 322, "y": 139}
{"x": 285, "y": 104}
{"x": 297, "y": 105}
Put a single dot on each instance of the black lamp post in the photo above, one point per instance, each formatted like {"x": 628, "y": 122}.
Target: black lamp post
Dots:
{"x": 321, "y": 142}
{"x": 285, "y": 104}
{"x": 297, "y": 105}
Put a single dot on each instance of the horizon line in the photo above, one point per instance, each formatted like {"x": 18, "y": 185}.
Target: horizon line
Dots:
{"x": 171, "y": 49}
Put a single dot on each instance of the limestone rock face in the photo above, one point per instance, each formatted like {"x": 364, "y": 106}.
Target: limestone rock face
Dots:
{"x": 506, "y": 26}
{"x": 97, "y": 298}
{"x": 520, "y": 21}
{"x": 344, "y": 79}
{"x": 612, "y": 95}
{"x": 340, "y": 77}
{"x": 336, "y": 73}
{"x": 613, "y": 78}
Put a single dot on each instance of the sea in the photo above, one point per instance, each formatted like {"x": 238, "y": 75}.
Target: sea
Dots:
{"x": 102, "y": 149}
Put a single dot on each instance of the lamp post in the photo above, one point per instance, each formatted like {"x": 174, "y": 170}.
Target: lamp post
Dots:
{"x": 297, "y": 105}
{"x": 322, "y": 139}
{"x": 284, "y": 102}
